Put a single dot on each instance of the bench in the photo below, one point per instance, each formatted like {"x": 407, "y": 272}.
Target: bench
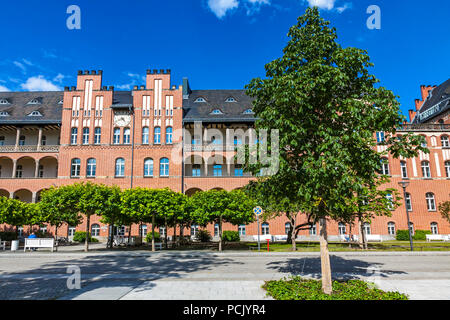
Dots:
{"x": 437, "y": 237}
{"x": 39, "y": 243}
{"x": 374, "y": 237}
{"x": 263, "y": 237}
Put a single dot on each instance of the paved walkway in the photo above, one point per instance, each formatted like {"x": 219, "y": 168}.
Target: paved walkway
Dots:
{"x": 206, "y": 275}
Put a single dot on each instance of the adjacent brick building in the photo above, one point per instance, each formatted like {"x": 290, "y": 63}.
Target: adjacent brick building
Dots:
{"x": 91, "y": 132}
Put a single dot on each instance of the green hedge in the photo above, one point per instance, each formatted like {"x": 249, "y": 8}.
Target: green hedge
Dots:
{"x": 8, "y": 236}
{"x": 231, "y": 236}
{"x": 148, "y": 237}
{"x": 419, "y": 235}
{"x": 80, "y": 236}
{"x": 203, "y": 236}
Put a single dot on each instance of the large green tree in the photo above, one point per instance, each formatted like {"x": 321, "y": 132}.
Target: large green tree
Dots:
{"x": 444, "y": 209}
{"x": 219, "y": 206}
{"x": 327, "y": 108}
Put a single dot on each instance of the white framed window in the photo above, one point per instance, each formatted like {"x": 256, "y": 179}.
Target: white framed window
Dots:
{"x": 385, "y": 166}
{"x": 265, "y": 229}
{"x": 287, "y": 227}
{"x": 164, "y": 167}
{"x": 367, "y": 228}
{"x": 217, "y": 170}
{"x": 230, "y": 99}
{"x": 91, "y": 168}
{"x": 120, "y": 167}
{"x": 447, "y": 168}
{"x": 380, "y": 136}
{"x": 19, "y": 171}
{"x": 126, "y": 136}
{"x": 426, "y": 172}
{"x": 22, "y": 140}
{"x": 391, "y": 228}
{"x": 445, "y": 142}
{"x": 241, "y": 230}
{"x": 34, "y": 101}
{"x": 431, "y": 201}
{"x": 408, "y": 201}
{"x": 148, "y": 168}
{"x": 200, "y": 99}
{"x": 342, "y": 228}
{"x": 75, "y": 168}
{"x": 4, "y": 101}
{"x": 411, "y": 228}
{"x": 145, "y": 135}
{"x": 216, "y": 111}
{"x": 248, "y": 111}
{"x": 41, "y": 171}
{"x": 71, "y": 231}
{"x": 313, "y": 230}
{"x": 157, "y": 135}
{"x": 434, "y": 228}
{"x": 144, "y": 230}
{"x": 162, "y": 232}
{"x": 20, "y": 231}
{"x": 97, "y": 135}
{"x": 169, "y": 131}
{"x": 194, "y": 230}
{"x": 95, "y": 230}
{"x": 216, "y": 230}
{"x": 4, "y": 114}
{"x": 35, "y": 114}
{"x": 116, "y": 136}
{"x": 390, "y": 198}
{"x": 196, "y": 170}
{"x": 404, "y": 169}
{"x": 85, "y": 135}
{"x": 73, "y": 136}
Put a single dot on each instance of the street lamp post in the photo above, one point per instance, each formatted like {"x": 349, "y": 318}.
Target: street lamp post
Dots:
{"x": 404, "y": 185}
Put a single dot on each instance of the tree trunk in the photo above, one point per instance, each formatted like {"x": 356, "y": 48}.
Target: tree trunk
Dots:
{"x": 325, "y": 258}
{"x": 166, "y": 231}
{"x": 181, "y": 233}
{"x": 56, "y": 232}
{"x": 350, "y": 236}
{"x": 363, "y": 240}
{"x": 174, "y": 236}
{"x": 86, "y": 241}
{"x": 129, "y": 235}
{"x": 111, "y": 236}
{"x": 153, "y": 233}
{"x": 220, "y": 233}
{"x": 293, "y": 235}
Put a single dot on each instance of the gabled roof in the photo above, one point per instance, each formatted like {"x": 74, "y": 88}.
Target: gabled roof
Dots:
{"x": 435, "y": 104}
{"x": 19, "y": 107}
{"x": 216, "y": 99}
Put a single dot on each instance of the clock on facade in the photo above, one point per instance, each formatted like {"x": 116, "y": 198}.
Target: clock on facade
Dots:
{"x": 122, "y": 120}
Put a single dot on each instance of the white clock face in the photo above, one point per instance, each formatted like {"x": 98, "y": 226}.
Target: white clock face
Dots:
{"x": 122, "y": 120}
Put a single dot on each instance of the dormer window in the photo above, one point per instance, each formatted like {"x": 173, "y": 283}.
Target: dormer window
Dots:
{"x": 216, "y": 111}
{"x": 248, "y": 111}
{"x": 35, "y": 114}
{"x": 200, "y": 100}
{"x": 61, "y": 102}
{"x": 231, "y": 99}
{"x": 34, "y": 101}
{"x": 4, "y": 114}
{"x": 4, "y": 101}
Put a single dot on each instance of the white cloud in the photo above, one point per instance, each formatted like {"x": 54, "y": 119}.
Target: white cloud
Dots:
{"x": 322, "y": 4}
{"x": 4, "y": 89}
{"x": 39, "y": 83}
{"x": 20, "y": 66}
{"x": 221, "y": 7}
{"x": 59, "y": 78}
{"x": 254, "y": 6}
{"x": 346, "y": 6}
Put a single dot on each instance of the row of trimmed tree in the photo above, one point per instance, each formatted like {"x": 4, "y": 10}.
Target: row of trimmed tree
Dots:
{"x": 159, "y": 207}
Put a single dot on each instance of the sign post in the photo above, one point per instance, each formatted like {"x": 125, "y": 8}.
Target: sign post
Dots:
{"x": 258, "y": 211}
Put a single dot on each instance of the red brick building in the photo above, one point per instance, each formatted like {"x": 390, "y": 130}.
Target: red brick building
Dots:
{"x": 91, "y": 132}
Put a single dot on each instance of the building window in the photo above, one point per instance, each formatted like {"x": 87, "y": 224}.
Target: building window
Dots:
{"x": 445, "y": 142}
{"x": 164, "y": 167}
{"x": 200, "y": 100}
{"x": 148, "y": 168}
{"x": 408, "y": 202}
{"x": 238, "y": 171}
{"x": 71, "y": 231}
{"x": 367, "y": 228}
{"x": 216, "y": 141}
{"x": 116, "y": 137}
{"x": 241, "y": 230}
{"x": 217, "y": 170}
{"x": 313, "y": 230}
{"x": 144, "y": 230}
{"x": 162, "y": 232}
{"x": 194, "y": 230}
{"x": 195, "y": 140}
{"x": 447, "y": 168}
{"x": 265, "y": 229}
{"x": 75, "y": 168}
{"x": 431, "y": 202}
{"x": 390, "y": 198}
{"x": 380, "y": 137}
{"x": 157, "y": 138}
{"x": 216, "y": 230}
{"x": 22, "y": 141}
{"x": 196, "y": 172}
{"x": 74, "y": 135}
{"x": 216, "y": 111}
{"x": 404, "y": 169}
{"x": 85, "y": 135}
{"x": 287, "y": 227}
{"x": 91, "y": 168}
{"x": 426, "y": 169}
{"x": 43, "y": 141}
{"x": 97, "y": 135}
{"x": 126, "y": 136}
{"x": 411, "y": 228}
{"x": 95, "y": 230}
{"x": 385, "y": 166}
{"x": 120, "y": 167}
{"x": 342, "y": 228}
{"x": 424, "y": 143}
{"x": 19, "y": 171}
{"x": 248, "y": 111}
{"x": 169, "y": 135}
{"x": 434, "y": 228}
{"x": 391, "y": 228}
{"x": 41, "y": 171}
{"x": 20, "y": 231}
{"x": 145, "y": 133}
{"x": 237, "y": 141}
{"x": 2, "y": 141}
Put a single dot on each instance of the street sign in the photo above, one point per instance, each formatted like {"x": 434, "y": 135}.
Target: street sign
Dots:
{"x": 258, "y": 211}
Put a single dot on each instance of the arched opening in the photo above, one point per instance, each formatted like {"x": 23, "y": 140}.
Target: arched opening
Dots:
{"x": 194, "y": 166}
{"x": 24, "y": 195}
{"x": 48, "y": 167}
{"x": 192, "y": 191}
{"x": 25, "y": 168}
{"x": 6, "y": 167}
{"x": 4, "y": 193}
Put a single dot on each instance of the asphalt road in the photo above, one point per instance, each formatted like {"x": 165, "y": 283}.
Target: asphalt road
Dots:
{"x": 209, "y": 276}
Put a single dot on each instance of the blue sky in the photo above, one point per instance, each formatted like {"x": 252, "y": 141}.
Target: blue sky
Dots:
{"x": 217, "y": 44}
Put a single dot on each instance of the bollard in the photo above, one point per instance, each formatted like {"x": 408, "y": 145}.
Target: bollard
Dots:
{"x": 268, "y": 245}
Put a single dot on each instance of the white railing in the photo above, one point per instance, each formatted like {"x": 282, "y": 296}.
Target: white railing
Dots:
{"x": 11, "y": 149}
{"x": 438, "y": 237}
